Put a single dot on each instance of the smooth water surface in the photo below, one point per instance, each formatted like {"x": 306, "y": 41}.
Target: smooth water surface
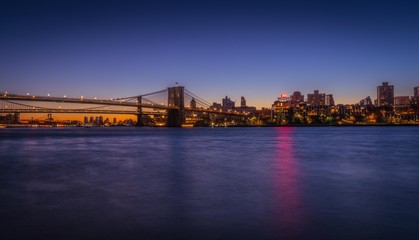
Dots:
{"x": 210, "y": 183}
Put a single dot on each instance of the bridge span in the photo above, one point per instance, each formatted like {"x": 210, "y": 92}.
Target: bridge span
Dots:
{"x": 175, "y": 108}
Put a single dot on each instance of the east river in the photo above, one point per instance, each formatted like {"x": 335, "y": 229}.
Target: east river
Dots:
{"x": 210, "y": 183}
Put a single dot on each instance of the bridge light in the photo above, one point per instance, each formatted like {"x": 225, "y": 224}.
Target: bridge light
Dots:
{"x": 95, "y": 98}
{"x": 27, "y": 94}
{"x": 49, "y": 94}
{"x": 65, "y": 96}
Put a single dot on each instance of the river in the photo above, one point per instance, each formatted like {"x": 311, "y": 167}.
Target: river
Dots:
{"x": 210, "y": 183}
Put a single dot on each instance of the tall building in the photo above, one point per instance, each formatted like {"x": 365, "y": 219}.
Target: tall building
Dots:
{"x": 329, "y": 100}
{"x": 416, "y": 91}
{"x": 227, "y": 103}
{"x": 193, "y": 103}
{"x": 385, "y": 95}
{"x": 243, "y": 102}
{"x": 316, "y": 98}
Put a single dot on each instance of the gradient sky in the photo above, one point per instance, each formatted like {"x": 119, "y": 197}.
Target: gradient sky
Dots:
{"x": 256, "y": 49}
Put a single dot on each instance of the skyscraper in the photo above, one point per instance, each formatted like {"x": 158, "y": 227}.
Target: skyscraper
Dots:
{"x": 227, "y": 103}
{"x": 416, "y": 91}
{"x": 385, "y": 95}
{"x": 243, "y": 102}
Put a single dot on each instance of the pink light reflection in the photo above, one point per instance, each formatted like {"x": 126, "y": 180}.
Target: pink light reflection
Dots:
{"x": 289, "y": 205}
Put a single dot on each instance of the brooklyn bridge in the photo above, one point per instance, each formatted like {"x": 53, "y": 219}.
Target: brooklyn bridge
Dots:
{"x": 174, "y": 102}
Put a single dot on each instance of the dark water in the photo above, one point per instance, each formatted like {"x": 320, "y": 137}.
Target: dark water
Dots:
{"x": 225, "y": 183}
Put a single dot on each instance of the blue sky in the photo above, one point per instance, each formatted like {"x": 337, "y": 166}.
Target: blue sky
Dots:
{"x": 256, "y": 49}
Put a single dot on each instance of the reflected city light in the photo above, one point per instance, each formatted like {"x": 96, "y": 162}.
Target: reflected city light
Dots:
{"x": 290, "y": 215}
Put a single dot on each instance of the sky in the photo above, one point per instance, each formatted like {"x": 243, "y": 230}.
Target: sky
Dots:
{"x": 255, "y": 49}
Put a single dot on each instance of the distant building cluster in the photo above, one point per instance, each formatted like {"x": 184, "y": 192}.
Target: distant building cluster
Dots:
{"x": 100, "y": 121}
{"x": 320, "y": 108}
{"x": 229, "y": 105}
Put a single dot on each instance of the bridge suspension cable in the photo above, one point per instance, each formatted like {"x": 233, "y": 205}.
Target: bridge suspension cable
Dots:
{"x": 198, "y": 99}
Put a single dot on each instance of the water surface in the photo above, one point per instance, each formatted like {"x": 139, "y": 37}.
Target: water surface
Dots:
{"x": 210, "y": 183}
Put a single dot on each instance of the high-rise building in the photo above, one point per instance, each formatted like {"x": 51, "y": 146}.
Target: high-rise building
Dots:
{"x": 385, "y": 95}
{"x": 193, "y": 103}
{"x": 316, "y": 98}
{"x": 329, "y": 100}
{"x": 416, "y": 91}
{"x": 243, "y": 102}
{"x": 227, "y": 103}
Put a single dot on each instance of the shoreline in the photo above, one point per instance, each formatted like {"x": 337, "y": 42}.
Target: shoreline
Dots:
{"x": 228, "y": 126}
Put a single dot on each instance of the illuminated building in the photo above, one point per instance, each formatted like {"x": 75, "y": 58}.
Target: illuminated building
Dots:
{"x": 401, "y": 104}
{"x": 281, "y": 108}
{"x": 385, "y": 95}
{"x": 316, "y": 98}
{"x": 329, "y": 100}
{"x": 296, "y": 98}
{"x": 416, "y": 91}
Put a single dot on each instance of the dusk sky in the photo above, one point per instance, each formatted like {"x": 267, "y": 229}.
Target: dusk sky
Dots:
{"x": 256, "y": 49}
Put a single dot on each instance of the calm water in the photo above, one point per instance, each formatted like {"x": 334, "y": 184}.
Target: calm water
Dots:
{"x": 225, "y": 183}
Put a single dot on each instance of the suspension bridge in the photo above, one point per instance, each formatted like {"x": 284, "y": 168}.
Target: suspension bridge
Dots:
{"x": 176, "y": 103}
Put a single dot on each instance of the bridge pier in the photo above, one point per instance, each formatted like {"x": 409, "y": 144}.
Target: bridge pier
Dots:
{"x": 176, "y": 98}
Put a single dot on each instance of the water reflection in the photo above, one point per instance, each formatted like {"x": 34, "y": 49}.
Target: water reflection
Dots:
{"x": 289, "y": 205}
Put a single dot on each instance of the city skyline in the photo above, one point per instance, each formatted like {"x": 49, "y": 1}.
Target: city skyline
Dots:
{"x": 254, "y": 49}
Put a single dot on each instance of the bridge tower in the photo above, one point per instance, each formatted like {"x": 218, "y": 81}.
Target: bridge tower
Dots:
{"x": 176, "y": 97}
{"x": 140, "y": 122}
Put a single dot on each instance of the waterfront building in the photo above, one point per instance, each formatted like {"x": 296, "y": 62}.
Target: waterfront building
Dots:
{"x": 416, "y": 92}
{"x": 296, "y": 98}
{"x": 282, "y": 109}
{"x": 401, "y": 104}
{"x": 366, "y": 101}
{"x": 385, "y": 95}
{"x": 329, "y": 100}
{"x": 316, "y": 98}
